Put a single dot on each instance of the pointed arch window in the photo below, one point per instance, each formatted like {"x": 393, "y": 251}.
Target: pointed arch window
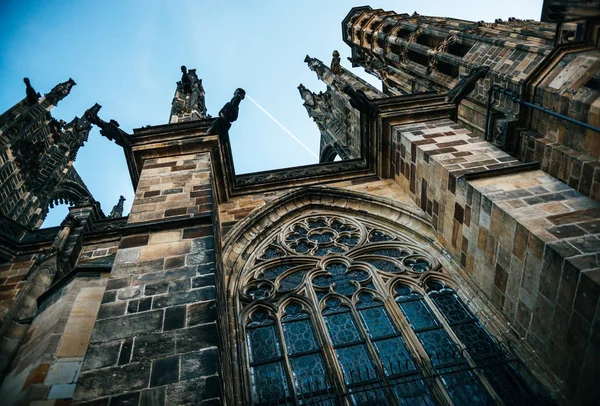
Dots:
{"x": 336, "y": 311}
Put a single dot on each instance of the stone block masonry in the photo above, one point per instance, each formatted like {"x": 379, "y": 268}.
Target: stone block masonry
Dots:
{"x": 155, "y": 339}
{"x": 156, "y": 336}
{"x": 529, "y": 241}
{"x": 173, "y": 187}
{"x": 50, "y": 358}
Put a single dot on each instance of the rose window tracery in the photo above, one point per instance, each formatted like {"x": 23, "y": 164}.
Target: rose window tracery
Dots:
{"x": 337, "y": 310}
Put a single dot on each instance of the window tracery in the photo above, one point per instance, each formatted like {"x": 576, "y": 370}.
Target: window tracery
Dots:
{"x": 337, "y": 310}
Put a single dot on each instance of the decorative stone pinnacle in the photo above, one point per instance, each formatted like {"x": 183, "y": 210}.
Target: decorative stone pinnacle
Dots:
{"x": 117, "y": 210}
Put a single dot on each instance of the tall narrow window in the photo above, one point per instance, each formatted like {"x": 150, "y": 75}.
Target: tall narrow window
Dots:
{"x": 338, "y": 311}
{"x": 267, "y": 370}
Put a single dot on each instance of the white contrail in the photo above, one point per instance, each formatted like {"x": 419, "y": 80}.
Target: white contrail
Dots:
{"x": 282, "y": 127}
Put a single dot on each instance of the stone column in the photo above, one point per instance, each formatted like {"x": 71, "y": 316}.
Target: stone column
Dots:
{"x": 155, "y": 338}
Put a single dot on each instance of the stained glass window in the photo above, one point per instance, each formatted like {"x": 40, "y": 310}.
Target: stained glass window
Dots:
{"x": 357, "y": 315}
{"x": 267, "y": 370}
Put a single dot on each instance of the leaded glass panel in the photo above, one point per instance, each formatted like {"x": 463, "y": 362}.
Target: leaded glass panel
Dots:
{"x": 309, "y": 373}
{"x": 418, "y": 314}
{"x": 452, "y": 309}
{"x": 356, "y": 364}
{"x": 342, "y": 328}
{"x": 377, "y": 322}
{"x": 440, "y": 347}
{"x": 269, "y": 385}
{"x": 263, "y": 344}
{"x": 299, "y": 337}
{"x": 412, "y": 392}
{"x": 394, "y": 356}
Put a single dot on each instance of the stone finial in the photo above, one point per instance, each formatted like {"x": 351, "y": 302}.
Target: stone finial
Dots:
{"x": 117, "y": 210}
{"x": 228, "y": 114}
{"x": 32, "y": 95}
{"x": 336, "y": 68}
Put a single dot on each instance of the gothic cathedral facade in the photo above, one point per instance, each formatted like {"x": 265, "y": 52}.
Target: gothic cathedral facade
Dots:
{"x": 444, "y": 250}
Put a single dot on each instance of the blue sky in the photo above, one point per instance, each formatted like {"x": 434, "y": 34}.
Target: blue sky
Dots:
{"x": 125, "y": 55}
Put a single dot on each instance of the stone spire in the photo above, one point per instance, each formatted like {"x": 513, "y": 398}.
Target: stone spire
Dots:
{"x": 188, "y": 103}
{"x": 117, "y": 210}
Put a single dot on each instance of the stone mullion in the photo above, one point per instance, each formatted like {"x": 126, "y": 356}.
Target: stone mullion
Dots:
{"x": 414, "y": 345}
{"x": 286, "y": 358}
{"x": 329, "y": 358}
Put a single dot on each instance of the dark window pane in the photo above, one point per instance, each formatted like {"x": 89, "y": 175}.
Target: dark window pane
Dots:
{"x": 452, "y": 309}
{"x": 369, "y": 395}
{"x": 440, "y": 348}
{"x": 377, "y": 322}
{"x": 309, "y": 374}
{"x": 268, "y": 383}
{"x": 274, "y": 272}
{"x": 292, "y": 281}
{"x": 465, "y": 389}
{"x": 263, "y": 344}
{"x": 383, "y": 265}
{"x": 389, "y": 252}
{"x": 394, "y": 356}
{"x": 342, "y": 329}
{"x": 477, "y": 340}
{"x": 299, "y": 337}
{"x": 418, "y": 314}
{"x": 412, "y": 392}
{"x": 356, "y": 364}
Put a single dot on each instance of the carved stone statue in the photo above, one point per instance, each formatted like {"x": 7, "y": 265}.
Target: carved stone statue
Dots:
{"x": 336, "y": 68}
{"x": 228, "y": 114}
{"x": 32, "y": 95}
{"x": 186, "y": 82}
{"x": 109, "y": 129}
{"x": 466, "y": 84}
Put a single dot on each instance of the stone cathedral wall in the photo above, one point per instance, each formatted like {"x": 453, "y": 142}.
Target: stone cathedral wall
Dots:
{"x": 527, "y": 239}
{"x": 155, "y": 338}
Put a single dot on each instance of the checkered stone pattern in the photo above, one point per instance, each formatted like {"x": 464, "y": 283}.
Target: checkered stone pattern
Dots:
{"x": 529, "y": 241}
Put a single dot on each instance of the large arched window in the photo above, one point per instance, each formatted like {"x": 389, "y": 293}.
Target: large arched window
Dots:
{"x": 337, "y": 311}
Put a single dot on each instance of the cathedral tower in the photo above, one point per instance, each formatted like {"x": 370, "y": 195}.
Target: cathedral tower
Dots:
{"x": 37, "y": 157}
{"x": 528, "y": 101}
